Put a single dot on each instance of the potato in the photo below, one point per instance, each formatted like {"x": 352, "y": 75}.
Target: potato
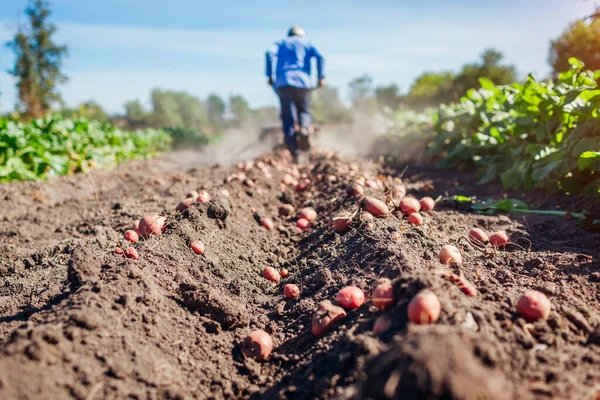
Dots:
{"x": 382, "y": 295}
{"x": 203, "y": 197}
{"x": 427, "y": 204}
{"x": 185, "y": 204}
{"x": 286, "y": 210}
{"x": 291, "y": 291}
{"x": 267, "y": 223}
{"x": 271, "y": 274}
{"x": 410, "y": 205}
{"x": 152, "y": 225}
{"x": 131, "y": 236}
{"x": 534, "y": 305}
{"x": 478, "y": 237}
{"x": 415, "y": 219}
{"x": 325, "y": 317}
{"x": 131, "y": 252}
{"x": 257, "y": 345}
{"x": 424, "y": 308}
{"x": 302, "y": 223}
{"x": 308, "y": 213}
{"x": 375, "y": 207}
{"x": 499, "y": 239}
{"x": 342, "y": 221}
{"x": 197, "y": 247}
{"x": 350, "y": 297}
{"x": 355, "y": 190}
{"x": 450, "y": 255}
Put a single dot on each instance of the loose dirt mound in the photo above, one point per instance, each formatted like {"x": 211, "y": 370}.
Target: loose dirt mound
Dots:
{"x": 79, "y": 321}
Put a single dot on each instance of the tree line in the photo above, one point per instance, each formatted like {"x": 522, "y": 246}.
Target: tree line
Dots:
{"x": 39, "y": 60}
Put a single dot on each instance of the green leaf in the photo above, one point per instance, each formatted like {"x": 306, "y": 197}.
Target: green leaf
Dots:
{"x": 461, "y": 199}
{"x": 588, "y": 158}
{"x": 486, "y": 83}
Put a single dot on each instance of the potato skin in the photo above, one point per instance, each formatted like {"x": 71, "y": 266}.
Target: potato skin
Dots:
{"x": 375, "y": 207}
{"x": 424, "y": 308}
{"x": 257, "y": 345}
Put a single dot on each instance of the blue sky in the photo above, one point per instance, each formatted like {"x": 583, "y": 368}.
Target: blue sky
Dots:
{"x": 121, "y": 49}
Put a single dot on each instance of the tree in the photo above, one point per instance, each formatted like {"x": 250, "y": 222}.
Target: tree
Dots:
{"x": 490, "y": 67}
{"x": 388, "y": 96}
{"x": 239, "y": 108}
{"x": 92, "y": 110}
{"x": 135, "y": 114}
{"x": 361, "y": 90}
{"x": 431, "y": 89}
{"x": 38, "y": 62}
{"x": 581, "y": 40}
{"x": 216, "y": 110}
{"x": 177, "y": 109}
{"x": 327, "y": 106}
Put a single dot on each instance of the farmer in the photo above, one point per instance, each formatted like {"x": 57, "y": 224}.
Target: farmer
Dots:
{"x": 292, "y": 83}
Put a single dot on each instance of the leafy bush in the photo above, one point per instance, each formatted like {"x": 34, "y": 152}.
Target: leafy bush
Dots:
{"x": 531, "y": 134}
{"x": 187, "y": 137}
{"x": 407, "y": 134}
{"x": 52, "y": 146}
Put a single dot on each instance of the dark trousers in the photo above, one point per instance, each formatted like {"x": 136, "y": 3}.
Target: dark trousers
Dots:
{"x": 295, "y": 106}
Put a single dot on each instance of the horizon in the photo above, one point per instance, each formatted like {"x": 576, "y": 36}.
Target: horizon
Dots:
{"x": 210, "y": 49}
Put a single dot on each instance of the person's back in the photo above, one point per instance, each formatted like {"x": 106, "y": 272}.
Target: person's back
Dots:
{"x": 293, "y": 84}
{"x": 294, "y": 54}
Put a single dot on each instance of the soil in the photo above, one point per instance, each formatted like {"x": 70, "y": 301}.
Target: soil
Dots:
{"x": 78, "y": 321}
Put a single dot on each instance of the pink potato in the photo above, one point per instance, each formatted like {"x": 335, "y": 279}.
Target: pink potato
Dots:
{"x": 450, "y": 255}
{"x": 267, "y": 223}
{"x": 350, "y": 297}
{"x": 291, "y": 291}
{"x": 342, "y": 221}
{"x": 271, "y": 274}
{"x": 197, "y": 247}
{"x": 308, "y": 213}
{"x": 152, "y": 225}
{"x": 375, "y": 207}
{"x": 410, "y": 205}
{"x": 427, "y": 204}
{"x": 499, "y": 239}
{"x": 424, "y": 308}
{"x": 382, "y": 295}
{"x": 415, "y": 219}
{"x": 257, "y": 345}
{"x": 355, "y": 189}
{"x": 478, "y": 237}
{"x": 203, "y": 197}
{"x": 325, "y": 317}
{"x": 534, "y": 305}
{"x": 302, "y": 223}
{"x": 131, "y": 252}
{"x": 185, "y": 204}
{"x": 131, "y": 236}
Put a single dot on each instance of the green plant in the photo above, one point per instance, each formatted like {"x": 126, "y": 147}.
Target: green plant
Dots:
{"x": 531, "y": 134}
{"x": 51, "y": 146}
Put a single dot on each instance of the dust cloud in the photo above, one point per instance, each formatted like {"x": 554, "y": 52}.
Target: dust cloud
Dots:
{"x": 366, "y": 137}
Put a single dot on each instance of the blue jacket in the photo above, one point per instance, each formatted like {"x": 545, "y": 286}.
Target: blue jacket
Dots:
{"x": 294, "y": 54}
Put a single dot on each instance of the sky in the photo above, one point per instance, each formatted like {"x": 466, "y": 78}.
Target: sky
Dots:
{"x": 120, "y": 49}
